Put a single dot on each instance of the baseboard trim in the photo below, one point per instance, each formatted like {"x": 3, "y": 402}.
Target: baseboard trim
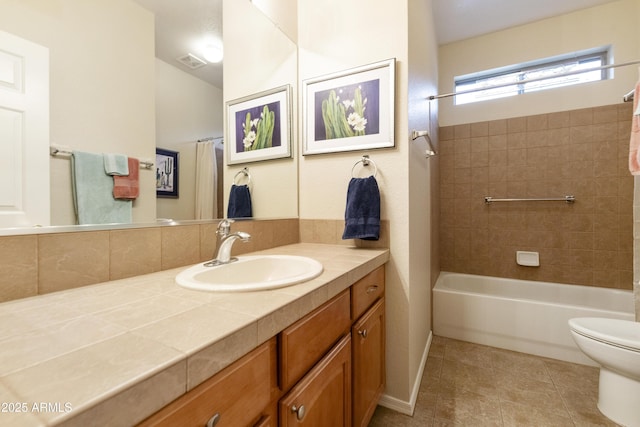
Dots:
{"x": 402, "y": 406}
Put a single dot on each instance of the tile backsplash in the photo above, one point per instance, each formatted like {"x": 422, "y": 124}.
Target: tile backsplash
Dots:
{"x": 41, "y": 263}
{"x": 582, "y": 152}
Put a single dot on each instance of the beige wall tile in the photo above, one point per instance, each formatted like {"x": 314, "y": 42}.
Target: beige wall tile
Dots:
{"x": 497, "y": 127}
{"x": 577, "y": 152}
{"x": 581, "y": 117}
{"x": 71, "y": 260}
{"x": 19, "y": 266}
{"x": 180, "y": 246}
{"x": 479, "y": 129}
{"x": 50, "y": 262}
{"x": 446, "y": 133}
{"x": 207, "y": 241}
{"x": 134, "y": 252}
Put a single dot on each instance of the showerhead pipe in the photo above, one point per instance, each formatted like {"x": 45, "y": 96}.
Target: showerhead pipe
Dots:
{"x": 430, "y": 151}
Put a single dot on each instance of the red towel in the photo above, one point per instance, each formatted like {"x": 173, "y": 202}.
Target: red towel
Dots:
{"x": 634, "y": 144}
{"x": 128, "y": 187}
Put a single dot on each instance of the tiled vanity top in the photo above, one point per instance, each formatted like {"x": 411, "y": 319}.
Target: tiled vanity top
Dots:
{"x": 114, "y": 353}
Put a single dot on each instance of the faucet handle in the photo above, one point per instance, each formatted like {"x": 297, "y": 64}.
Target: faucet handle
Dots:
{"x": 224, "y": 227}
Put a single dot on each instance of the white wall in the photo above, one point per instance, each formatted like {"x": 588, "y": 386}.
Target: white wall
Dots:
{"x": 610, "y": 24}
{"x": 329, "y": 42}
{"x": 423, "y": 181}
{"x": 101, "y": 85}
{"x": 258, "y": 57}
{"x": 187, "y": 109}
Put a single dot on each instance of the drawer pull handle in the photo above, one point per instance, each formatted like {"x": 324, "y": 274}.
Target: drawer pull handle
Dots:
{"x": 299, "y": 411}
{"x": 213, "y": 420}
{"x": 363, "y": 333}
{"x": 372, "y": 289}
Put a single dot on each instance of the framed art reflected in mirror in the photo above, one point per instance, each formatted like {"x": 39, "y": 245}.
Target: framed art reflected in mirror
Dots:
{"x": 166, "y": 173}
{"x": 259, "y": 126}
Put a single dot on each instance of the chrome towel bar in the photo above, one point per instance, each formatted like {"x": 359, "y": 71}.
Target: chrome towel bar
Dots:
{"x": 569, "y": 199}
{"x": 55, "y": 151}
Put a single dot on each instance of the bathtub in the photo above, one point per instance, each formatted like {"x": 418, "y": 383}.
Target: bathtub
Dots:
{"x": 519, "y": 315}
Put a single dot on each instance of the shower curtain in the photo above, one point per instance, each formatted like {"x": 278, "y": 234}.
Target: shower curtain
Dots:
{"x": 206, "y": 181}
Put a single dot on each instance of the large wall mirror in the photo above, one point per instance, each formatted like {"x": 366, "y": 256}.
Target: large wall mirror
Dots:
{"x": 111, "y": 91}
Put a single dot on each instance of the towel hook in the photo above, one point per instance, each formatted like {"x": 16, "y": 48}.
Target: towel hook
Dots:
{"x": 245, "y": 172}
{"x": 365, "y": 160}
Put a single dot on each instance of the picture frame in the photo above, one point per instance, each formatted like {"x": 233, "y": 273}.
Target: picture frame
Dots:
{"x": 350, "y": 110}
{"x": 253, "y": 138}
{"x": 167, "y": 171}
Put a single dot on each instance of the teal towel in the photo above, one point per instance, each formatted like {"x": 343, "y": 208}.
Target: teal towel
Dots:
{"x": 116, "y": 164}
{"x": 93, "y": 192}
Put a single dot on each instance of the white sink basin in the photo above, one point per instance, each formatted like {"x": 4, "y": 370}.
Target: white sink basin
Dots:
{"x": 250, "y": 273}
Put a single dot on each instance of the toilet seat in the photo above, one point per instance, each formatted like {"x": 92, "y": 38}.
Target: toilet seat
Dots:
{"x": 619, "y": 333}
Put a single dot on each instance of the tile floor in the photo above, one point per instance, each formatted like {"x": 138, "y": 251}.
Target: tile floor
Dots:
{"x": 467, "y": 384}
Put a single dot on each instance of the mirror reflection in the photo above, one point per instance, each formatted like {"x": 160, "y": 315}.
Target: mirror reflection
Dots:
{"x": 129, "y": 92}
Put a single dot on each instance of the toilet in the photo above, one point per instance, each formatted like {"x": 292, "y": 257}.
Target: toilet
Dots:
{"x": 615, "y": 345}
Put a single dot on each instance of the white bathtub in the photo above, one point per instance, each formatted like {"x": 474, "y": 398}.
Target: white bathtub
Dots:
{"x": 525, "y": 316}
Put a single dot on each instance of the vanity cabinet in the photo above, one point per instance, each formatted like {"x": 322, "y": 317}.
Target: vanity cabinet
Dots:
{"x": 344, "y": 388}
{"x": 326, "y": 369}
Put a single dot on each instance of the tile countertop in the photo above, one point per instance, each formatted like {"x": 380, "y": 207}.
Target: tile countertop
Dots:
{"x": 116, "y": 352}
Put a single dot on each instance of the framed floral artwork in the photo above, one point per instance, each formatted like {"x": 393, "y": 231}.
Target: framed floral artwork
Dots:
{"x": 259, "y": 126}
{"x": 350, "y": 110}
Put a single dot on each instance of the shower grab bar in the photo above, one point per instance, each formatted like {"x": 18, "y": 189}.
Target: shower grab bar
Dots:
{"x": 569, "y": 199}
{"x": 55, "y": 151}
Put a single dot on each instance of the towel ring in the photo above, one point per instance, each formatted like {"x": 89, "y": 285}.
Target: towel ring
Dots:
{"x": 244, "y": 172}
{"x": 365, "y": 160}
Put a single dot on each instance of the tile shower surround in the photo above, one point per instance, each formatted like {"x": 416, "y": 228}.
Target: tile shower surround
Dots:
{"x": 582, "y": 152}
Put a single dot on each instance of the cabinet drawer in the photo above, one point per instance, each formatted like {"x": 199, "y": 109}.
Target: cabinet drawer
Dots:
{"x": 366, "y": 291}
{"x": 238, "y": 394}
{"x": 306, "y": 341}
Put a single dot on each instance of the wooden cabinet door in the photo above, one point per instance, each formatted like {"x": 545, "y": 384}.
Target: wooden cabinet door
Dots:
{"x": 322, "y": 397}
{"x": 368, "y": 363}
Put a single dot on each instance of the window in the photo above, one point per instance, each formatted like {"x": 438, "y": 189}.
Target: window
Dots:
{"x": 532, "y": 76}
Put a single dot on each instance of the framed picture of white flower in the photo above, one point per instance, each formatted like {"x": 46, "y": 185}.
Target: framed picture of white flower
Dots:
{"x": 350, "y": 110}
{"x": 259, "y": 126}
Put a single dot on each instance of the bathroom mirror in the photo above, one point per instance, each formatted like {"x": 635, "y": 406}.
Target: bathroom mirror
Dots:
{"x": 103, "y": 92}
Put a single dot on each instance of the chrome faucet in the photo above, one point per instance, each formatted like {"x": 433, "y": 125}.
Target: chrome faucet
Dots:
{"x": 225, "y": 240}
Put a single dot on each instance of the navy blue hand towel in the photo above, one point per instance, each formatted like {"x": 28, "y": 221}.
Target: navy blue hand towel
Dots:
{"x": 362, "y": 215}
{"x": 239, "y": 202}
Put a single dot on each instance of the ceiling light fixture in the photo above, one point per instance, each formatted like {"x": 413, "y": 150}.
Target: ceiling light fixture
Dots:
{"x": 212, "y": 53}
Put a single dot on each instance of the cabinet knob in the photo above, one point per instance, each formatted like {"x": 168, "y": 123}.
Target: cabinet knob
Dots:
{"x": 299, "y": 411}
{"x": 372, "y": 289}
{"x": 213, "y": 420}
{"x": 363, "y": 333}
